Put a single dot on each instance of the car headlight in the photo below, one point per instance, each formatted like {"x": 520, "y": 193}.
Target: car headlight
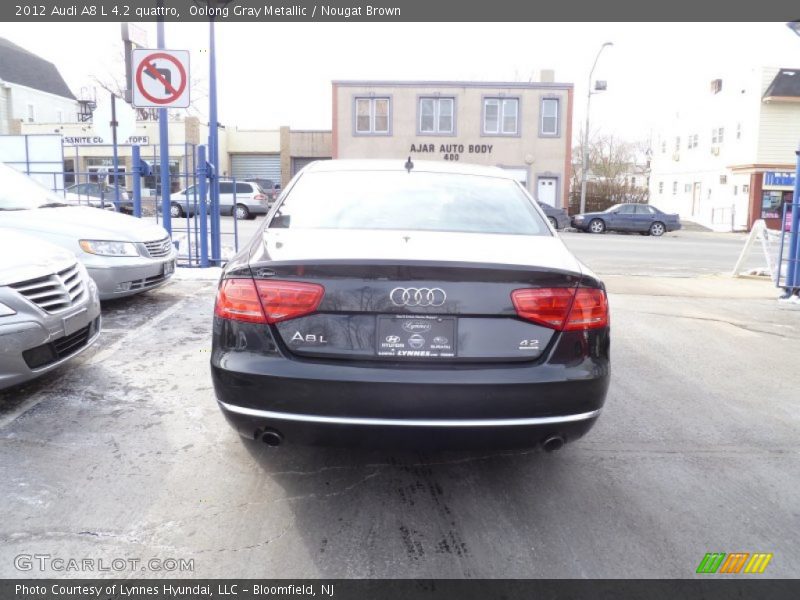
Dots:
{"x": 578, "y": 217}
{"x": 109, "y": 248}
{"x": 6, "y": 311}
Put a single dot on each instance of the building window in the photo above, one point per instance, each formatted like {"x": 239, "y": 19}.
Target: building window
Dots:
{"x": 663, "y": 146}
{"x": 693, "y": 140}
{"x": 738, "y": 131}
{"x": 717, "y": 135}
{"x": 633, "y": 181}
{"x": 745, "y": 188}
{"x": 549, "y": 124}
{"x": 501, "y": 116}
{"x": 674, "y": 188}
{"x": 677, "y": 144}
{"x": 436, "y": 115}
{"x": 372, "y": 116}
{"x": 660, "y": 187}
{"x": 31, "y": 113}
{"x": 687, "y": 188}
{"x": 723, "y": 179}
{"x": 736, "y": 190}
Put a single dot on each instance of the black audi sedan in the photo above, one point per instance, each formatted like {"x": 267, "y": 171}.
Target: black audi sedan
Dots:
{"x": 425, "y": 304}
{"x": 632, "y": 218}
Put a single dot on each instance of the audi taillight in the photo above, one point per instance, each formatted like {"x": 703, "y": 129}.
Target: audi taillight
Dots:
{"x": 564, "y": 309}
{"x": 266, "y": 301}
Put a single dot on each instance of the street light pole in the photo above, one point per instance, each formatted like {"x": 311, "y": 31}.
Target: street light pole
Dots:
{"x": 585, "y": 148}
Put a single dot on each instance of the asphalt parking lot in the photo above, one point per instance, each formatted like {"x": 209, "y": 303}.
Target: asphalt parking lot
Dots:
{"x": 124, "y": 454}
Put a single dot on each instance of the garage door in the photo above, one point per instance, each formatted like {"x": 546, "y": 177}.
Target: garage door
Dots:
{"x": 263, "y": 166}
{"x": 299, "y": 162}
{"x": 520, "y": 175}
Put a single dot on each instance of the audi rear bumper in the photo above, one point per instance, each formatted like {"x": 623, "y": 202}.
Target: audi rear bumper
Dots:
{"x": 415, "y": 433}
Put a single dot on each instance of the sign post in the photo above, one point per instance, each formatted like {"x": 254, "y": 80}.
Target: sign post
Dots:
{"x": 161, "y": 80}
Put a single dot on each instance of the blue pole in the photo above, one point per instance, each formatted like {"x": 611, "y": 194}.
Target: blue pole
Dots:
{"x": 202, "y": 179}
{"x": 213, "y": 143}
{"x": 163, "y": 135}
{"x": 235, "y": 220}
{"x": 116, "y": 153}
{"x": 137, "y": 181}
{"x": 793, "y": 265}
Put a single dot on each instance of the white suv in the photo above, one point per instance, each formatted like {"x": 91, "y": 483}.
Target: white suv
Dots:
{"x": 245, "y": 201}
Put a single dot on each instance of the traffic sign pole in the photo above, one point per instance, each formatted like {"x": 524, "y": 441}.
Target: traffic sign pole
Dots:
{"x": 115, "y": 152}
{"x": 163, "y": 138}
{"x": 213, "y": 145}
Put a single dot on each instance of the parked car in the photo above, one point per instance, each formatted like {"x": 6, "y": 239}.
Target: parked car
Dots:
{"x": 430, "y": 306}
{"x": 123, "y": 255}
{"x": 49, "y": 309}
{"x": 97, "y": 195}
{"x": 558, "y": 217}
{"x": 641, "y": 218}
{"x": 269, "y": 187}
{"x": 245, "y": 202}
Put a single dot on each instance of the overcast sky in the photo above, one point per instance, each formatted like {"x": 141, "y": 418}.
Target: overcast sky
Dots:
{"x": 279, "y": 74}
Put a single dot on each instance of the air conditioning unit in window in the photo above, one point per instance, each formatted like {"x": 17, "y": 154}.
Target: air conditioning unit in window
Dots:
{"x": 715, "y": 150}
{"x": 676, "y": 156}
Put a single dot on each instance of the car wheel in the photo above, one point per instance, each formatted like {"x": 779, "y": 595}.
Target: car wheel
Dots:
{"x": 241, "y": 212}
{"x": 657, "y": 229}
{"x": 597, "y": 226}
{"x": 175, "y": 210}
{"x": 553, "y": 222}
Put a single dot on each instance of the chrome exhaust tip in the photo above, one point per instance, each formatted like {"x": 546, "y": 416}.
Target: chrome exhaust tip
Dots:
{"x": 553, "y": 443}
{"x": 272, "y": 438}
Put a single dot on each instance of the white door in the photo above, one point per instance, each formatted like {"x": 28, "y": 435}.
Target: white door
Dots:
{"x": 546, "y": 190}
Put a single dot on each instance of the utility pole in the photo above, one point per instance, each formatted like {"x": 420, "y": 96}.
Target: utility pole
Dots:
{"x": 585, "y": 149}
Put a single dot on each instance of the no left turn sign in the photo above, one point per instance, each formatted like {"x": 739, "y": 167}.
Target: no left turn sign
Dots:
{"x": 160, "y": 78}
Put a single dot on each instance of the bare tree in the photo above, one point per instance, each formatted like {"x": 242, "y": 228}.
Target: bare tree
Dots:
{"x": 618, "y": 171}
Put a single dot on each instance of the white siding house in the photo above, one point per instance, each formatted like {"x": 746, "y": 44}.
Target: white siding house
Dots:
{"x": 711, "y": 157}
{"x": 31, "y": 90}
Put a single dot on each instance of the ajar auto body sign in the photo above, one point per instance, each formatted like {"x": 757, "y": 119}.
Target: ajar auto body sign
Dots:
{"x": 451, "y": 151}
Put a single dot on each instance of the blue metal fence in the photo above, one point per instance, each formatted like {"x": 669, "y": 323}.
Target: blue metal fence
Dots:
{"x": 195, "y": 227}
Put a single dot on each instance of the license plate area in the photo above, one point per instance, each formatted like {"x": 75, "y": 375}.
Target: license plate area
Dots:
{"x": 416, "y": 336}
{"x": 74, "y": 322}
{"x": 169, "y": 268}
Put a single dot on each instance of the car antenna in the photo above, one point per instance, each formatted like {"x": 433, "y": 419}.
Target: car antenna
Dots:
{"x": 409, "y": 165}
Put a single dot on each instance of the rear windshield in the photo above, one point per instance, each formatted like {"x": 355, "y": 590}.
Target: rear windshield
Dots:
{"x": 409, "y": 201}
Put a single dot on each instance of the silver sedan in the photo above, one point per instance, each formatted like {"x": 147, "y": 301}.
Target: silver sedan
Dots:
{"x": 49, "y": 309}
{"x": 123, "y": 255}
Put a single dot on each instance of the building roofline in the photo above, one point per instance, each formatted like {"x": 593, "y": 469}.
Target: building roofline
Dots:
{"x": 533, "y": 85}
{"x": 759, "y": 167}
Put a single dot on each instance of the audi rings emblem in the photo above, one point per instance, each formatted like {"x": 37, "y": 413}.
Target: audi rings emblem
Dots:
{"x": 417, "y": 296}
